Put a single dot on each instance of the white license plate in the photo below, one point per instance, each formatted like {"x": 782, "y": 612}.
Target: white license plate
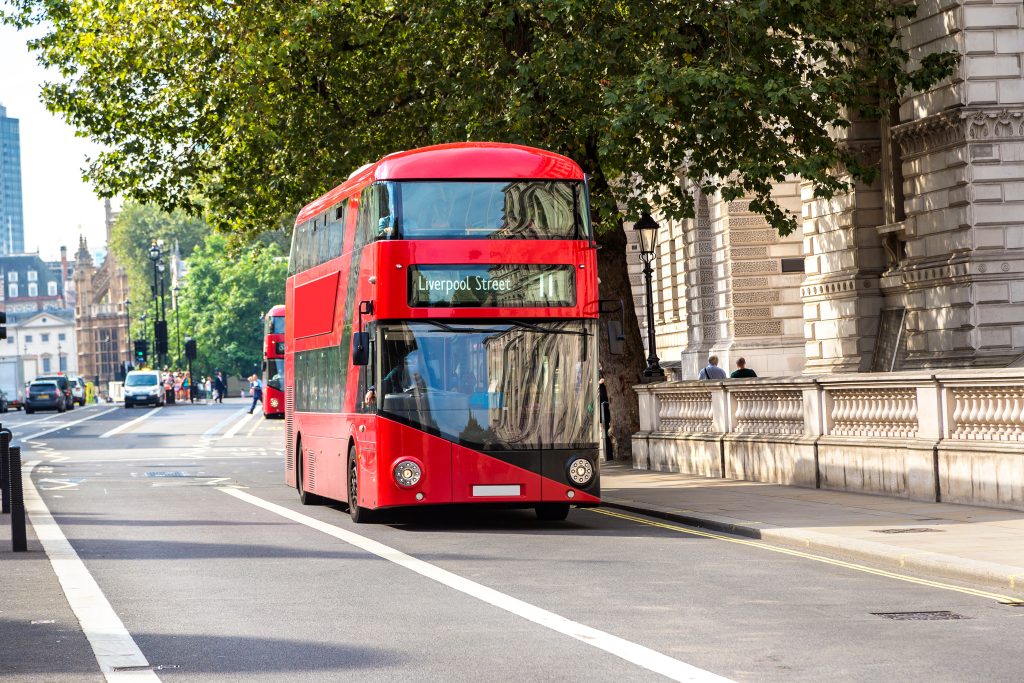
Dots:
{"x": 501, "y": 490}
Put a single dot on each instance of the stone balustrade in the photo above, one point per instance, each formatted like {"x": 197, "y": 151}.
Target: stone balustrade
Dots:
{"x": 954, "y": 436}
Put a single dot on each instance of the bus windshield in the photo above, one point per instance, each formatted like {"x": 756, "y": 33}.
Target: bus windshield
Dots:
{"x": 493, "y": 386}
{"x": 523, "y": 209}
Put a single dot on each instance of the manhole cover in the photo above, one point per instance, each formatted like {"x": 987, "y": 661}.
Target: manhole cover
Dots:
{"x": 166, "y": 474}
{"x": 907, "y": 530}
{"x": 921, "y": 616}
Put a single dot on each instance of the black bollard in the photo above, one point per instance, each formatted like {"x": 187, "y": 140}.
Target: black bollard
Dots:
{"x": 5, "y": 470}
{"x": 19, "y": 543}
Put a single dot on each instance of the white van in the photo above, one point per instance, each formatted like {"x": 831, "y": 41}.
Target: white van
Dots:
{"x": 143, "y": 387}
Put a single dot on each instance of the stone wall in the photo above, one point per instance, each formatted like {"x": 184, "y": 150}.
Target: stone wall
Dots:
{"x": 953, "y": 436}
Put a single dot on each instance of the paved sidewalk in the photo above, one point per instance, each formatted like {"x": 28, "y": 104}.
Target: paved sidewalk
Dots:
{"x": 975, "y": 544}
{"x": 40, "y": 637}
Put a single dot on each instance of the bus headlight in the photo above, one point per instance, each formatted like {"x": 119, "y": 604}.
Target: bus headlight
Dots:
{"x": 274, "y": 403}
{"x": 581, "y": 471}
{"x": 407, "y": 473}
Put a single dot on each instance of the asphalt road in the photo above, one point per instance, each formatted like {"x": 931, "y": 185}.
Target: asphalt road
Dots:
{"x": 182, "y": 519}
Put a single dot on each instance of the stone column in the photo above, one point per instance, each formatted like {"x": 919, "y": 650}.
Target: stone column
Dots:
{"x": 843, "y": 259}
{"x": 963, "y": 144}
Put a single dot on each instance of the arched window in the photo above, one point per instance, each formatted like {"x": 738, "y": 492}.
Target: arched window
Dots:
{"x": 51, "y": 288}
{"x": 33, "y": 289}
{"x": 12, "y": 291}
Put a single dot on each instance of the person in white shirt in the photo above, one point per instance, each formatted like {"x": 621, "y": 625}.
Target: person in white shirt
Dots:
{"x": 257, "y": 391}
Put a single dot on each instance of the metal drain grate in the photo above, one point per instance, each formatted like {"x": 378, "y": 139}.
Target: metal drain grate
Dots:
{"x": 146, "y": 667}
{"x": 908, "y": 530}
{"x": 921, "y": 616}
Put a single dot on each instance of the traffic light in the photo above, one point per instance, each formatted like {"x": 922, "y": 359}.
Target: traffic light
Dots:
{"x": 3, "y": 325}
{"x": 141, "y": 347}
{"x": 160, "y": 338}
{"x": 190, "y": 349}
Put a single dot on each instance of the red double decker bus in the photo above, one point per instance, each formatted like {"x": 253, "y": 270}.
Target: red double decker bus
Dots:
{"x": 441, "y": 340}
{"x": 273, "y": 362}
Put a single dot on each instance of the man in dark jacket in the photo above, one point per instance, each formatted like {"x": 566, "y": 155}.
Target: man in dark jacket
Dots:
{"x": 220, "y": 387}
{"x": 742, "y": 370}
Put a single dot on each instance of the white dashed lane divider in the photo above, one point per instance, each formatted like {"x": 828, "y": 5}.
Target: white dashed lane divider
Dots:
{"x": 223, "y": 423}
{"x": 238, "y": 425}
{"x": 116, "y": 652}
{"x": 65, "y": 425}
{"x": 131, "y": 423}
{"x": 631, "y": 652}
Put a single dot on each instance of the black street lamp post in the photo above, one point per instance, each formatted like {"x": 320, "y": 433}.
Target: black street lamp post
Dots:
{"x": 128, "y": 317}
{"x": 145, "y": 332}
{"x": 177, "y": 320}
{"x": 647, "y": 228}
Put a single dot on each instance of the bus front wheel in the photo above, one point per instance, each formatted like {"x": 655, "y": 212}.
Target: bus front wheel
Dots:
{"x": 552, "y": 512}
{"x": 360, "y": 515}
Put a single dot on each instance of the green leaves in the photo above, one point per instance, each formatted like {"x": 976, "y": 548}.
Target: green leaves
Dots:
{"x": 249, "y": 110}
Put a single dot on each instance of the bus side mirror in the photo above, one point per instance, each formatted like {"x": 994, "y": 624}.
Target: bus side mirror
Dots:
{"x": 616, "y": 339}
{"x": 361, "y": 348}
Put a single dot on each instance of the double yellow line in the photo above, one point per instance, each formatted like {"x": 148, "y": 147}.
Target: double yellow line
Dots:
{"x": 1003, "y": 599}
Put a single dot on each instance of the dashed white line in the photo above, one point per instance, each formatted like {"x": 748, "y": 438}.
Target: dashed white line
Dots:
{"x": 111, "y": 643}
{"x": 65, "y": 425}
{"x": 631, "y": 652}
{"x": 131, "y": 423}
{"x": 237, "y": 426}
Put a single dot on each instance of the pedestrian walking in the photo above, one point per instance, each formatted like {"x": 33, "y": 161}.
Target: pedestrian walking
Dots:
{"x": 220, "y": 387}
{"x": 742, "y": 370}
{"x": 257, "y": 392}
{"x": 711, "y": 370}
{"x": 606, "y": 415}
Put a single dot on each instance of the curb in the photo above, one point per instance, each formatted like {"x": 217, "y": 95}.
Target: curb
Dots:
{"x": 990, "y": 574}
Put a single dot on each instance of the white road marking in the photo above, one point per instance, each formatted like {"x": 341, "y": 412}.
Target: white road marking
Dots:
{"x": 237, "y": 426}
{"x": 131, "y": 423}
{"x": 631, "y": 652}
{"x": 220, "y": 425}
{"x": 65, "y": 425}
{"x": 110, "y": 640}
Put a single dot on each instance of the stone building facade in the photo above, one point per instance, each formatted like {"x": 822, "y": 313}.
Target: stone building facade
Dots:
{"x": 101, "y": 318}
{"x": 922, "y": 269}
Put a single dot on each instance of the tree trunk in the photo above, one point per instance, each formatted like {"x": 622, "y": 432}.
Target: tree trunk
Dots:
{"x": 621, "y": 373}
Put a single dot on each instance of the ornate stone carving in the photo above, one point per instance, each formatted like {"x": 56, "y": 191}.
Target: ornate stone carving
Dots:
{"x": 685, "y": 411}
{"x": 748, "y": 267}
{"x": 766, "y": 296}
{"x": 753, "y": 313}
{"x": 748, "y": 252}
{"x": 769, "y": 412}
{"x": 761, "y": 328}
{"x": 951, "y": 127}
{"x": 882, "y": 413}
{"x": 988, "y": 414}
{"x": 750, "y": 283}
{"x": 752, "y": 236}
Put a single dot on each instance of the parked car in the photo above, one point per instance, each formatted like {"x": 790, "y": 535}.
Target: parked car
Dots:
{"x": 78, "y": 389}
{"x": 143, "y": 387}
{"x": 45, "y": 395}
{"x": 64, "y": 384}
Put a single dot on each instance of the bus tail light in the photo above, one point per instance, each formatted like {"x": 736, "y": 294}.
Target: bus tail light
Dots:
{"x": 581, "y": 471}
{"x": 408, "y": 473}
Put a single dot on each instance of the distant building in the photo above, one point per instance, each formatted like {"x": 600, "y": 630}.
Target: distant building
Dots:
{"x": 30, "y": 285}
{"x": 101, "y": 318}
{"x": 12, "y": 222}
{"x": 45, "y": 341}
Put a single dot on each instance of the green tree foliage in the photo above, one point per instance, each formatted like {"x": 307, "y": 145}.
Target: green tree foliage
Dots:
{"x": 254, "y": 108}
{"x": 135, "y": 229}
{"x": 251, "y": 109}
{"x": 221, "y": 305}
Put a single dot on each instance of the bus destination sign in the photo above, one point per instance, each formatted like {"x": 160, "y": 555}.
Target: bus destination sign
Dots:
{"x": 504, "y": 285}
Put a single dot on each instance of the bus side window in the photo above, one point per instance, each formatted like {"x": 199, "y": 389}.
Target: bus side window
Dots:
{"x": 336, "y": 230}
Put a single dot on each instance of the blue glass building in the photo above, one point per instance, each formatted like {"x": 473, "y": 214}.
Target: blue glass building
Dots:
{"x": 12, "y": 222}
